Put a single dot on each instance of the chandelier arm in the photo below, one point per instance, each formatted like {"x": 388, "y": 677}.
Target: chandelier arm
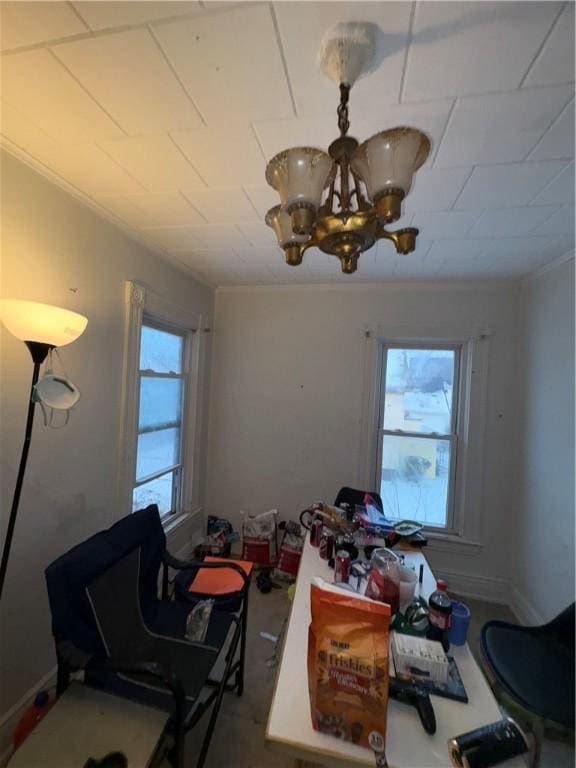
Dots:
{"x": 361, "y": 201}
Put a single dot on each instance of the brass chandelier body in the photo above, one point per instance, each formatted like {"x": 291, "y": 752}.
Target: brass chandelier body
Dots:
{"x": 359, "y": 194}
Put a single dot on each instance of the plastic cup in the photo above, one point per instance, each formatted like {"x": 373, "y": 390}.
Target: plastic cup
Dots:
{"x": 460, "y": 622}
{"x": 408, "y": 580}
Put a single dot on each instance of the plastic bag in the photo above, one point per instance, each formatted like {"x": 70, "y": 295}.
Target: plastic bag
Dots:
{"x": 348, "y": 665}
{"x": 290, "y": 552}
{"x": 259, "y": 543}
{"x": 198, "y": 620}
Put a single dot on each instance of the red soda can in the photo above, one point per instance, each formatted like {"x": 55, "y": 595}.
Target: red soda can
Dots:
{"x": 342, "y": 566}
{"x": 327, "y": 545}
{"x": 316, "y": 532}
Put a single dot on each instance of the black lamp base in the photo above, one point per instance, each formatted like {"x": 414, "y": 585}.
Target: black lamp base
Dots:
{"x": 39, "y": 350}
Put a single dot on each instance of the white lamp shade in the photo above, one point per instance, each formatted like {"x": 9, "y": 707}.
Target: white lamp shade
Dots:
{"x": 281, "y": 223}
{"x": 42, "y": 323}
{"x": 389, "y": 159}
{"x": 300, "y": 175}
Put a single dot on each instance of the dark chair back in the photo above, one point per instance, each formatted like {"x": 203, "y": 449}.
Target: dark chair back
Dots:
{"x": 353, "y": 496}
{"x": 561, "y": 628}
{"x": 69, "y": 576}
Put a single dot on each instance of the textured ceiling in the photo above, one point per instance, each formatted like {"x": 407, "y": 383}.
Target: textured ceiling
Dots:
{"x": 163, "y": 114}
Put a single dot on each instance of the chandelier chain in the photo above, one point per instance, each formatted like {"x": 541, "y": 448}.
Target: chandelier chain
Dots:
{"x": 343, "y": 122}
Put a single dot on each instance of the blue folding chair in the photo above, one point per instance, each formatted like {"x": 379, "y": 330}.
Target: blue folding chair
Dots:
{"x": 107, "y": 620}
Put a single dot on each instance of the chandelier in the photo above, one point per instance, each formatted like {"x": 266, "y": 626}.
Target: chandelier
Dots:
{"x": 341, "y": 202}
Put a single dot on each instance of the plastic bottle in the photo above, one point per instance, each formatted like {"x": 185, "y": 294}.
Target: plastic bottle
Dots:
{"x": 31, "y": 717}
{"x": 439, "y": 615}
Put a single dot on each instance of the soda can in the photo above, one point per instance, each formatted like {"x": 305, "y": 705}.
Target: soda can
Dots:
{"x": 327, "y": 545}
{"x": 316, "y": 532}
{"x": 342, "y": 566}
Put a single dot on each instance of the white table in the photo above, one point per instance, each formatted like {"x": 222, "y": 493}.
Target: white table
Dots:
{"x": 87, "y": 723}
{"x": 407, "y": 744}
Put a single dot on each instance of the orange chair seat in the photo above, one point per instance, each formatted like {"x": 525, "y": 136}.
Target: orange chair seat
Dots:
{"x": 219, "y": 581}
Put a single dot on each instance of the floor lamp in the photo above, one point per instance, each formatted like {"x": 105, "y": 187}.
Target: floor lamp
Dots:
{"x": 41, "y": 327}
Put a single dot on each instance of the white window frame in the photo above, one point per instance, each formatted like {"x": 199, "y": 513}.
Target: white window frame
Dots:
{"x": 465, "y": 523}
{"x": 144, "y": 305}
{"x": 453, "y": 437}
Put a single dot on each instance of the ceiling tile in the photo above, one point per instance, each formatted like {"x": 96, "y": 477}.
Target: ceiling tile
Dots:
{"x": 20, "y": 130}
{"x": 128, "y": 75}
{"x": 224, "y": 157}
{"x": 154, "y": 160}
{"x": 302, "y": 27}
{"x": 465, "y": 48}
{"x": 222, "y": 206}
{"x": 88, "y": 168}
{"x": 555, "y": 62}
{"x": 38, "y": 86}
{"x": 261, "y": 256}
{"x": 507, "y": 222}
{"x": 220, "y": 236}
{"x": 510, "y": 185}
{"x": 558, "y": 141}
{"x": 103, "y": 15}
{"x": 212, "y": 259}
{"x": 173, "y": 238}
{"x": 436, "y": 189}
{"x": 467, "y": 270}
{"x": 464, "y": 248}
{"x": 560, "y": 190}
{"x": 561, "y": 223}
{"x": 32, "y": 22}
{"x": 320, "y": 131}
{"x": 262, "y": 198}
{"x": 415, "y": 267}
{"x": 500, "y": 127}
{"x": 436, "y": 224}
{"x": 238, "y": 56}
{"x": 514, "y": 248}
{"x": 153, "y": 209}
{"x": 258, "y": 234}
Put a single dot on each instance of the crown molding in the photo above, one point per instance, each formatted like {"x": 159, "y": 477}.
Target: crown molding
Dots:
{"x": 551, "y": 266}
{"x": 385, "y": 287}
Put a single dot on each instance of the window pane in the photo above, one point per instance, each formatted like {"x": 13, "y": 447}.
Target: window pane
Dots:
{"x": 419, "y": 386}
{"x": 160, "y": 351}
{"x": 157, "y": 451}
{"x": 158, "y": 491}
{"x": 415, "y": 478}
{"x": 160, "y": 402}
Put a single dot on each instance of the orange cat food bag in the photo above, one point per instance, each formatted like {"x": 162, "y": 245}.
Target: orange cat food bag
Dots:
{"x": 348, "y": 665}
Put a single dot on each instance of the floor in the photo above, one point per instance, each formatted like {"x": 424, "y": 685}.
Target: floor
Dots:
{"x": 239, "y": 737}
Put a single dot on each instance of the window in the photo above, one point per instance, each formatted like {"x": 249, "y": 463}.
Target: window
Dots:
{"x": 418, "y": 431}
{"x": 162, "y": 404}
{"x": 162, "y": 379}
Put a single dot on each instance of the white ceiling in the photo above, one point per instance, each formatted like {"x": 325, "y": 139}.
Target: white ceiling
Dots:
{"x": 163, "y": 115}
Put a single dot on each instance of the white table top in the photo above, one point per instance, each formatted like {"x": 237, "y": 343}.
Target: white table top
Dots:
{"x": 407, "y": 744}
{"x": 87, "y": 723}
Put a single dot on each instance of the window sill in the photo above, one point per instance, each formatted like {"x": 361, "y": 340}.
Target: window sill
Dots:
{"x": 173, "y": 523}
{"x": 451, "y": 542}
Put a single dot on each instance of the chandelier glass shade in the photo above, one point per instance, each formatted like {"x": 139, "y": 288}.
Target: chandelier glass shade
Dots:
{"x": 340, "y": 202}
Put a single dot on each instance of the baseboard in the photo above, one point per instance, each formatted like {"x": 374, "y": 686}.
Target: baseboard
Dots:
{"x": 10, "y": 719}
{"x": 523, "y": 608}
{"x": 493, "y": 589}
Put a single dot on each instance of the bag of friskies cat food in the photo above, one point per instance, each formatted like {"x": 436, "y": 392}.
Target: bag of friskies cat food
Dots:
{"x": 348, "y": 665}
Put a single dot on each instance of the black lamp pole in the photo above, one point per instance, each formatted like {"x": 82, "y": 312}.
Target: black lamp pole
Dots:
{"x": 39, "y": 352}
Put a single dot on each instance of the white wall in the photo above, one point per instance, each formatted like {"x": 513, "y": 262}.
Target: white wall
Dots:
{"x": 543, "y": 574}
{"x": 50, "y": 245}
{"x": 287, "y": 393}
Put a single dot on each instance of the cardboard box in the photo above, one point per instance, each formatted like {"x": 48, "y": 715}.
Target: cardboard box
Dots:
{"x": 419, "y": 659}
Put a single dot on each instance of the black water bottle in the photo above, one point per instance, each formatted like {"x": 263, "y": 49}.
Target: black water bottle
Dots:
{"x": 439, "y": 615}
